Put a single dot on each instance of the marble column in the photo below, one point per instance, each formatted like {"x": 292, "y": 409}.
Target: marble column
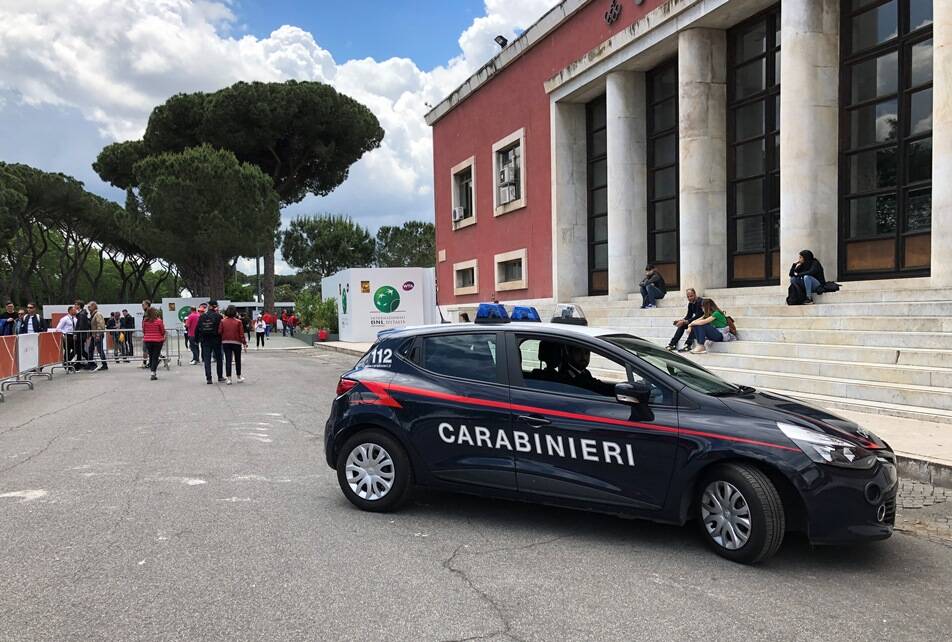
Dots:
{"x": 569, "y": 202}
{"x": 809, "y": 132}
{"x": 702, "y": 125}
{"x": 627, "y": 186}
{"x": 941, "y": 270}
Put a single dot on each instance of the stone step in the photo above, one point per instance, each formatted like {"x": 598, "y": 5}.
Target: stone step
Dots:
{"x": 906, "y": 411}
{"x": 846, "y": 354}
{"x": 610, "y": 310}
{"x": 842, "y": 388}
{"x": 860, "y": 338}
{"x": 865, "y": 371}
{"x": 846, "y": 324}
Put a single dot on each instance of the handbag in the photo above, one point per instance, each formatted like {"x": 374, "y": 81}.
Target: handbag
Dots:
{"x": 122, "y": 337}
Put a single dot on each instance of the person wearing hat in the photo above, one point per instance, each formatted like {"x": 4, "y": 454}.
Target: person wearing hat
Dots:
{"x": 652, "y": 287}
{"x": 208, "y": 335}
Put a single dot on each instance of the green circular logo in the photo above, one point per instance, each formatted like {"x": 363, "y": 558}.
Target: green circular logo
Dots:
{"x": 184, "y": 312}
{"x": 387, "y": 299}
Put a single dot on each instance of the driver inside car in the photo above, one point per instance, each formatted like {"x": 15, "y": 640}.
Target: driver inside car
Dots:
{"x": 574, "y": 371}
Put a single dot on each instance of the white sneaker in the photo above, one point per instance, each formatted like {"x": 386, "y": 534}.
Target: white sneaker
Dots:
{"x": 228, "y": 381}
{"x": 241, "y": 379}
{"x": 699, "y": 350}
{"x": 192, "y": 362}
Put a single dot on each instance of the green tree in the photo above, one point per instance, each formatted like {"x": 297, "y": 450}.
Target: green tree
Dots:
{"x": 303, "y": 135}
{"x": 222, "y": 204}
{"x": 323, "y": 245}
{"x": 413, "y": 244}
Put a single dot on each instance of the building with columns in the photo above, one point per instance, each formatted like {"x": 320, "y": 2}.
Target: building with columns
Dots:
{"x": 713, "y": 138}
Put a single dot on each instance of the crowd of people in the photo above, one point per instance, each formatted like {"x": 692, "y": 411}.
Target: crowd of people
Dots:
{"x": 210, "y": 336}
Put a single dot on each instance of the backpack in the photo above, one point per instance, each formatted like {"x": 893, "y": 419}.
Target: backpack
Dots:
{"x": 208, "y": 324}
{"x": 796, "y": 293}
{"x": 731, "y": 326}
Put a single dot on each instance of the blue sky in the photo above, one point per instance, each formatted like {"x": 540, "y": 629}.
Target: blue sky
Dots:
{"x": 424, "y": 30}
{"x": 76, "y": 75}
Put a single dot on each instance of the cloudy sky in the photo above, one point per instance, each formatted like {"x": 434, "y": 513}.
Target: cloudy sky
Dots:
{"x": 76, "y": 75}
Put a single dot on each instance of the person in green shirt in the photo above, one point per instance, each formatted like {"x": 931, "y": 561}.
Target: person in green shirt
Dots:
{"x": 712, "y": 326}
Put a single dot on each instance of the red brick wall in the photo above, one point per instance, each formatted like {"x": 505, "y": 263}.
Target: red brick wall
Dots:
{"x": 513, "y": 99}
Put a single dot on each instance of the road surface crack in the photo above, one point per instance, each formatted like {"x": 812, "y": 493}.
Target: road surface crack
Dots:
{"x": 57, "y": 411}
{"x": 506, "y": 628}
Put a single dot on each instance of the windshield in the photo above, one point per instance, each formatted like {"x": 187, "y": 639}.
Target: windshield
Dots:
{"x": 684, "y": 370}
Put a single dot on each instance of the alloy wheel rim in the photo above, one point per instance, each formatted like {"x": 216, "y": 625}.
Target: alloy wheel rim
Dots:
{"x": 370, "y": 471}
{"x": 726, "y": 515}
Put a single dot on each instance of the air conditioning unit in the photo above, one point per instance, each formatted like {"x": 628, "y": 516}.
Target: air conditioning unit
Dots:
{"x": 507, "y": 194}
{"x": 507, "y": 175}
{"x": 459, "y": 214}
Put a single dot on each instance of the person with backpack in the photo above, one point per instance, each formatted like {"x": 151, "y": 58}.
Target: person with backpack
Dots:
{"x": 806, "y": 279}
{"x": 208, "y": 335}
{"x": 713, "y": 326}
{"x": 652, "y": 287}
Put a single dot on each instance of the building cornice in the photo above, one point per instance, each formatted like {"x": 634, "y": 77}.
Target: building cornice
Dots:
{"x": 512, "y": 52}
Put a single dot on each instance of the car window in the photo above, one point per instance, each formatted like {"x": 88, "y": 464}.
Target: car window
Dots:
{"x": 467, "y": 356}
{"x": 684, "y": 370}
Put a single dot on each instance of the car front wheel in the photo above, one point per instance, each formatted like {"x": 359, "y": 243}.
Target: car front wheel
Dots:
{"x": 741, "y": 513}
{"x": 373, "y": 471}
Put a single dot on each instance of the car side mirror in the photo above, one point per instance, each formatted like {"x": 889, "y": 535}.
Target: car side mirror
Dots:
{"x": 633, "y": 393}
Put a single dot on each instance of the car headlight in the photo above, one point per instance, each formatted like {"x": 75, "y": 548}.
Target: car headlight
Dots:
{"x": 824, "y": 449}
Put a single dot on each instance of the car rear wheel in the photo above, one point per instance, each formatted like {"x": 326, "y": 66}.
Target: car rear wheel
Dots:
{"x": 373, "y": 471}
{"x": 741, "y": 513}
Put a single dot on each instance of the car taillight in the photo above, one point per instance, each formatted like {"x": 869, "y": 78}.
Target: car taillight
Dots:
{"x": 344, "y": 386}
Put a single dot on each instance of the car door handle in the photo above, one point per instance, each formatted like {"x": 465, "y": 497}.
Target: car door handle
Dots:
{"x": 534, "y": 420}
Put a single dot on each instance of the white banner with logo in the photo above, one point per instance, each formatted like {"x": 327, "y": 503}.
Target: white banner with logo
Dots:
{"x": 175, "y": 311}
{"x": 373, "y": 299}
{"x": 28, "y": 352}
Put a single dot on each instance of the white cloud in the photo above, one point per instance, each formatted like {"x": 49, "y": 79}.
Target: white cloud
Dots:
{"x": 112, "y": 62}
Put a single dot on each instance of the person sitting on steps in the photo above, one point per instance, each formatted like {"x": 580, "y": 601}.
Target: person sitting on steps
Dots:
{"x": 652, "y": 287}
{"x": 695, "y": 311}
{"x": 808, "y": 272}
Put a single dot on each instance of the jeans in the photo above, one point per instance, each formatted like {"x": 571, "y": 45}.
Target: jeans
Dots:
{"x": 650, "y": 294}
{"x": 284, "y": 329}
{"x": 267, "y": 330}
{"x": 259, "y": 339}
{"x": 193, "y": 346}
{"x": 679, "y": 333}
{"x": 810, "y": 283}
{"x": 154, "y": 350}
{"x": 95, "y": 344}
{"x": 210, "y": 349}
{"x": 707, "y": 332}
{"x": 232, "y": 351}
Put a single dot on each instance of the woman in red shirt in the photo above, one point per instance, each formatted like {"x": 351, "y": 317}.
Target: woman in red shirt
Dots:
{"x": 153, "y": 337}
{"x": 232, "y": 339}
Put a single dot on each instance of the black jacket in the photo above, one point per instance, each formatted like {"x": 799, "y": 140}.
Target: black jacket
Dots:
{"x": 655, "y": 279}
{"x": 207, "y": 328}
{"x": 695, "y": 311}
{"x": 809, "y": 268}
{"x": 82, "y": 321}
{"x": 127, "y": 322}
{"x": 38, "y": 325}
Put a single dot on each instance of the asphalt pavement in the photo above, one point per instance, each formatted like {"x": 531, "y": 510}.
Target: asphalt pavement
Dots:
{"x": 172, "y": 510}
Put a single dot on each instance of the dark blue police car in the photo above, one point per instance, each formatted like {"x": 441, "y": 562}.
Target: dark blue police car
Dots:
{"x": 601, "y": 420}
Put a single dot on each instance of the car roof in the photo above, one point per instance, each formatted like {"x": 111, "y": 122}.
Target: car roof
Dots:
{"x": 564, "y": 329}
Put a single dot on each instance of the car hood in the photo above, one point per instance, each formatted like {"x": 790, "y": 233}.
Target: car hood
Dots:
{"x": 774, "y": 407}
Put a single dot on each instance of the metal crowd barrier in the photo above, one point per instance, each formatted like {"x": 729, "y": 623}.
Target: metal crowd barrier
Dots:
{"x": 25, "y": 357}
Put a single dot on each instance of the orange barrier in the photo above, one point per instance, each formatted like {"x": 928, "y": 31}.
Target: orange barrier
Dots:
{"x": 51, "y": 349}
{"x": 8, "y": 357}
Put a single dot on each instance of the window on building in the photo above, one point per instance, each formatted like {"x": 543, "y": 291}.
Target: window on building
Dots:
{"x": 508, "y": 164}
{"x": 466, "y": 356}
{"x": 663, "y": 170}
{"x": 886, "y": 140}
{"x": 753, "y": 151}
{"x": 466, "y": 278}
{"x": 511, "y": 273}
{"x": 597, "y": 156}
{"x": 464, "y": 193}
